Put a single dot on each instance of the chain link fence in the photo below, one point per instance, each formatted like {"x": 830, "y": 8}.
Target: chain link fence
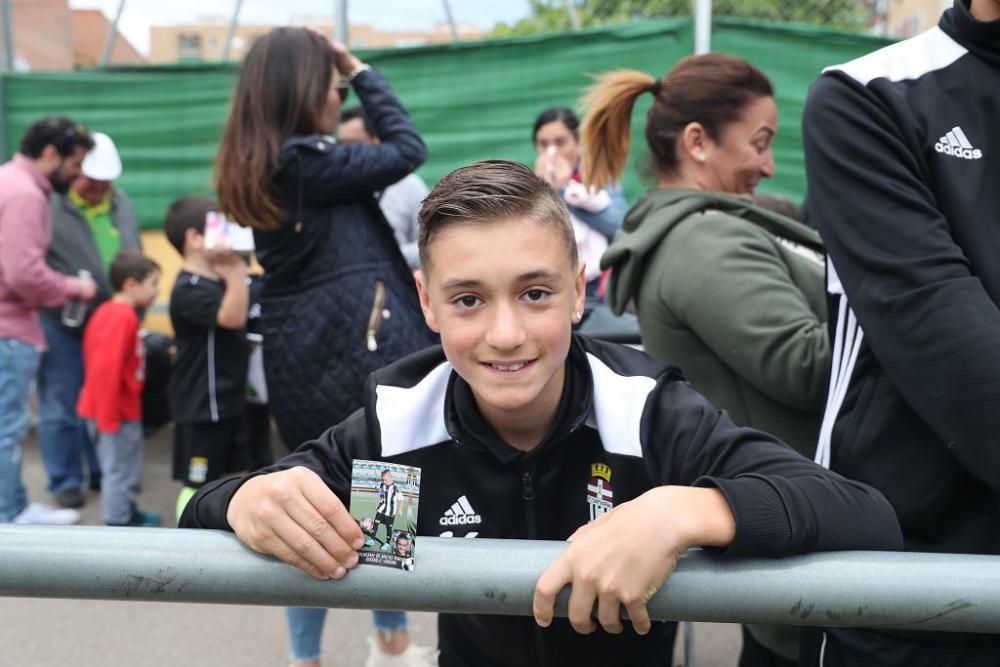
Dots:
{"x": 848, "y": 14}
{"x": 82, "y": 33}
{"x": 895, "y": 18}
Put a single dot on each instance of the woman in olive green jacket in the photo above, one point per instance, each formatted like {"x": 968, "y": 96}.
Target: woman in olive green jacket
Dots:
{"x": 734, "y": 295}
{"x": 731, "y": 292}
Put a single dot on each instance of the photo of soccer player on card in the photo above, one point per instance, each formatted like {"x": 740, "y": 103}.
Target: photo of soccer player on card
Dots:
{"x": 385, "y": 496}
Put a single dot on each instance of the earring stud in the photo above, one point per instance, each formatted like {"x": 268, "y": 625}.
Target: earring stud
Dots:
{"x": 702, "y": 157}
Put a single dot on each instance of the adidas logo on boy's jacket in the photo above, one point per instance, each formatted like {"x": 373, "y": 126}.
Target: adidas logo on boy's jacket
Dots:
{"x": 460, "y": 514}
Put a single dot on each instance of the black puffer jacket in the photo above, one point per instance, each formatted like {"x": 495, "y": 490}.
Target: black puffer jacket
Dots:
{"x": 338, "y": 299}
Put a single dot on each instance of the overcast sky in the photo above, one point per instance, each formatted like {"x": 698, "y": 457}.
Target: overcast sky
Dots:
{"x": 139, "y": 15}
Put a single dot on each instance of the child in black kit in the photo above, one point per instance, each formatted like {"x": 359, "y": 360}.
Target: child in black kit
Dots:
{"x": 389, "y": 499}
{"x": 208, "y": 310}
{"x": 528, "y": 431}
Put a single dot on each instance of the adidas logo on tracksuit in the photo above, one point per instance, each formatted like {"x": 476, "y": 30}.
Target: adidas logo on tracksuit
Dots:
{"x": 955, "y": 143}
{"x": 460, "y": 514}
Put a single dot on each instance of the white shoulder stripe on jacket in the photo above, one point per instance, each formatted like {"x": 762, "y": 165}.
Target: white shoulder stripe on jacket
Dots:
{"x": 618, "y": 404}
{"x": 411, "y": 418}
{"x": 906, "y": 60}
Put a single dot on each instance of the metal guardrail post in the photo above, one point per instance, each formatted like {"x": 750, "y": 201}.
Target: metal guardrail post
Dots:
{"x": 702, "y": 26}
{"x": 854, "y": 589}
{"x": 340, "y": 23}
{"x": 3, "y": 118}
{"x": 7, "y": 36}
{"x": 109, "y": 37}
{"x": 574, "y": 18}
{"x": 231, "y": 32}
{"x": 451, "y": 21}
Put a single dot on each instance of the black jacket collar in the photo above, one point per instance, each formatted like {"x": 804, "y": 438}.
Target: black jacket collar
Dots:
{"x": 980, "y": 37}
{"x": 468, "y": 427}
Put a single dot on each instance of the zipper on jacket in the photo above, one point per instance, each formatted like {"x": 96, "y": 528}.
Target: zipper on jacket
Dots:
{"x": 528, "y": 496}
{"x": 375, "y": 316}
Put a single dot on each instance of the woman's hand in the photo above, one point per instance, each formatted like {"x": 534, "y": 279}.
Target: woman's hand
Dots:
{"x": 626, "y": 555}
{"x": 553, "y": 169}
{"x": 293, "y": 515}
{"x": 345, "y": 61}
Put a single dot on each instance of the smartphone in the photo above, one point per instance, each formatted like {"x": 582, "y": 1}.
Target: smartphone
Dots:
{"x": 223, "y": 234}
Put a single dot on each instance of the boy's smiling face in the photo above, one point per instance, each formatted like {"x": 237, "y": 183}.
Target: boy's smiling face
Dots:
{"x": 503, "y": 296}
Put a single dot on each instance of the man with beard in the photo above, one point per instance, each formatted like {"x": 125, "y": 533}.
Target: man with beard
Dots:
{"x": 91, "y": 224}
{"x": 49, "y": 160}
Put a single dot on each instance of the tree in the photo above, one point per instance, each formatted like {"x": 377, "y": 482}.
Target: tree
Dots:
{"x": 552, "y": 16}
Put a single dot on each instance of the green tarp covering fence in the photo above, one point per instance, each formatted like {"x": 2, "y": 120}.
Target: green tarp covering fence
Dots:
{"x": 470, "y": 101}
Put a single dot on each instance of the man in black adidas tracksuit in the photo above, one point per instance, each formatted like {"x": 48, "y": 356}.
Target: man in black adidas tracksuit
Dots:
{"x": 625, "y": 424}
{"x": 903, "y": 158}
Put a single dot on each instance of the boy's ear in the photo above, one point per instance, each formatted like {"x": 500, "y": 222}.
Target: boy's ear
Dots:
{"x": 581, "y": 288}
{"x": 193, "y": 238}
{"x": 425, "y": 300}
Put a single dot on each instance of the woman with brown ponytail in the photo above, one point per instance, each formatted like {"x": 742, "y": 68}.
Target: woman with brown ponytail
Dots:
{"x": 730, "y": 291}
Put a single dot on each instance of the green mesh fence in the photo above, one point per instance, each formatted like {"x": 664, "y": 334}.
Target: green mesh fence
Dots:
{"x": 470, "y": 101}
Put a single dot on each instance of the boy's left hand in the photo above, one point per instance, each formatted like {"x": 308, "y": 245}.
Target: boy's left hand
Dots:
{"x": 228, "y": 264}
{"x": 626, "y": 555}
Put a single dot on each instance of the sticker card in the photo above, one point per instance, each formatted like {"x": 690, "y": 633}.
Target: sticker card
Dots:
{"x": 384, "y": 501}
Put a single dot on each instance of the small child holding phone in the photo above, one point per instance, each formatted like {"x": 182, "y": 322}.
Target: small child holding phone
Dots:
{"x": 208, "y": 309}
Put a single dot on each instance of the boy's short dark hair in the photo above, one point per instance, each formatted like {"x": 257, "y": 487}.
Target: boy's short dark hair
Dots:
{"x": 63, "y": 133}
{"x": 490, "y": 191}
{"x": 350, "y": 113}
{"x": 186, "y": 213}
{"x": 130, "y": 264}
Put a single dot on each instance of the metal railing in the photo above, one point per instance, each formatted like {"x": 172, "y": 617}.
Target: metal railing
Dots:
{"x": 859, "y": 589}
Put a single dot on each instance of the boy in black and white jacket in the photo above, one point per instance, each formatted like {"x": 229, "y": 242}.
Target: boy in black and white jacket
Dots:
{"x": 523, "y": 430}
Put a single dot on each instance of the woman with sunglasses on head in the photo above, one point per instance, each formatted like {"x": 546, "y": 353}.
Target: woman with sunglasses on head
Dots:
{"x": 338, "y": 299}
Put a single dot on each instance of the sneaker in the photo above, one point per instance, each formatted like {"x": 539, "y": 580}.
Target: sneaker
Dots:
{"x": 369, "y": 542}
{"x": 384, "y": 547}
{"x": 413, "y": 656}
{"x": 144, "y": 519}
{"x": 43, "y": 514}
{"x": 72, "y": 498}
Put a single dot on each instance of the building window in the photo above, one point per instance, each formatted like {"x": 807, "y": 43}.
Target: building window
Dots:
{"x": 189, "y": 46}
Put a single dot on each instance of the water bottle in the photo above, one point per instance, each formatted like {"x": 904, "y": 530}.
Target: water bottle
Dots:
{"x": 74, "y": 311}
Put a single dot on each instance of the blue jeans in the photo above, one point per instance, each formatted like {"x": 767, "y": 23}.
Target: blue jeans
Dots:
{"x": 305, "y": 629}
{"x": 62, "y": 435}
{"x": 18, "y": 364}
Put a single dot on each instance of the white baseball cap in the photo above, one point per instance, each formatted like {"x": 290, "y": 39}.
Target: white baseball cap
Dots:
{"x": 102, "y": 162}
